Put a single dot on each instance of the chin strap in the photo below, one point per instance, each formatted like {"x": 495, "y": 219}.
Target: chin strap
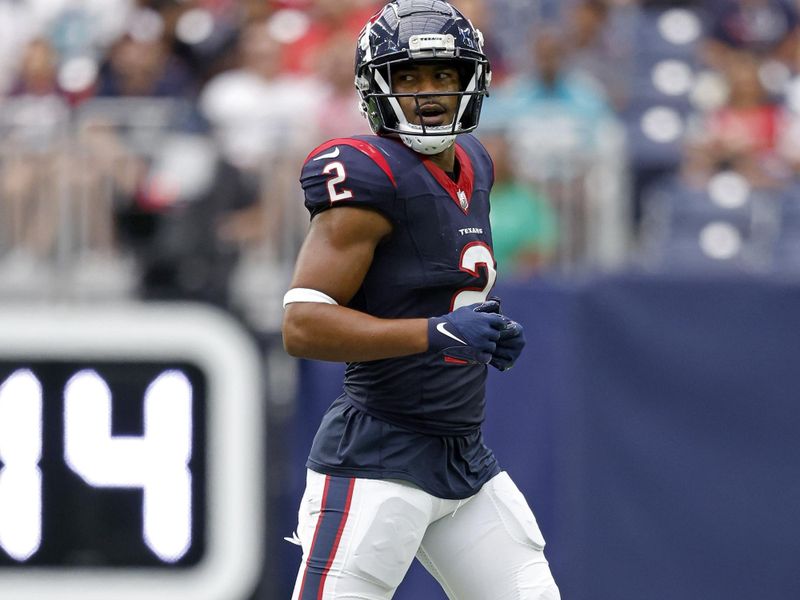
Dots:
{"x": 429, "y": 144}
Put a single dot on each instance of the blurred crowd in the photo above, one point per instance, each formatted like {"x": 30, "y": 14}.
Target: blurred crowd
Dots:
{"x": 167, "y": 135}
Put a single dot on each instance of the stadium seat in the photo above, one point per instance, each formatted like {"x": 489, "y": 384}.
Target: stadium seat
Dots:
{"x": 670, "y": 32}
{"x": 663, "y": 73}
{"x": 785, "y": 251}
{"x": 655, "y": 136}
{"x": 719, "y": 227}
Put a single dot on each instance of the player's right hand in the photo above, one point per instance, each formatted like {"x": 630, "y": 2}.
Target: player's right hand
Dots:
{"x": 466, "y": 335}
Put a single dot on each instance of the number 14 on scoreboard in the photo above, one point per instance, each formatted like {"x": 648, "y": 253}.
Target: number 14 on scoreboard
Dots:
{"x": 156, "y": 462}
{"x": 160, "y": 498}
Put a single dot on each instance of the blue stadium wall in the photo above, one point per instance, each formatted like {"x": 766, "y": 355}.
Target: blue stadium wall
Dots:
{"x": 654, "y": 425}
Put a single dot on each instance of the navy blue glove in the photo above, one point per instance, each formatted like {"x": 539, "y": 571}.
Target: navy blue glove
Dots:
{"x": 466, "y": 335}
{"x": 511, "y": 341}
{"x": 490, "y": 305}
{"x": 509, "y": 346}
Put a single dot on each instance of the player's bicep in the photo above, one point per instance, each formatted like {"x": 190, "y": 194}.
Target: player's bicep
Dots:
{"x": 338, "y": 251}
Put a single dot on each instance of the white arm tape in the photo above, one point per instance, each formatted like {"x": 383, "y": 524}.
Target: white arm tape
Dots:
{"x": 306, "y": 295}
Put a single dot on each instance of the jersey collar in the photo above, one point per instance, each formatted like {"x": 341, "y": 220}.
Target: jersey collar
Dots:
{"x": 460, "y": 191}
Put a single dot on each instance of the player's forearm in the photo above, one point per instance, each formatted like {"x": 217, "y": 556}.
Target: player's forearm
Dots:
{"x": 337, "y": 333}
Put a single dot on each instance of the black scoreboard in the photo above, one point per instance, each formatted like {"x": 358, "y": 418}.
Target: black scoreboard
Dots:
{"x": 130, "y": 454}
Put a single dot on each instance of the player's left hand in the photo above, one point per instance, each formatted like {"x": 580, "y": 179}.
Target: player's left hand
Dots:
{"x": 512, "y": 337}
{"x": 509, "y": 346}
{"x": 490, "y": 305}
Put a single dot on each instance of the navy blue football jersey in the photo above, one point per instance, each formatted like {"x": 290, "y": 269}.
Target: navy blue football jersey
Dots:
{"x": 437, "y": 258}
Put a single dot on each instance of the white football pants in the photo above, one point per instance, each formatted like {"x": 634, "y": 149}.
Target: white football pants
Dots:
{"x": 359, "y": 537}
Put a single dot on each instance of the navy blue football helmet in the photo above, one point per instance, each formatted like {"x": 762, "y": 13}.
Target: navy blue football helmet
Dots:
{"x": 420, "y": 30}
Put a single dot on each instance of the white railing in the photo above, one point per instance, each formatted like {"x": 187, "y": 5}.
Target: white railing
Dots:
{"x": 66, "y": 174}
{"x": 582, "y": 169}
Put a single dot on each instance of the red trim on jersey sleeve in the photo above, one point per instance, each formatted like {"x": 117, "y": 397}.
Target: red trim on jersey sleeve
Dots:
{"x": 364, "y": 147}
{"x": 466, "y": 177}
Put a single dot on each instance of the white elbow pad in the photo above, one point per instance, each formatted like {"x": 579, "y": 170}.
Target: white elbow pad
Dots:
{"x": 306, "y": 295}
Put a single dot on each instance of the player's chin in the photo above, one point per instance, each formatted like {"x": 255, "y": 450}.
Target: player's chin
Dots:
{"x": 434, "y": 121}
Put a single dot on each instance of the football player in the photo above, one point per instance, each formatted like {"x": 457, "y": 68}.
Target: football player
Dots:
{"x": 394, "y": 279}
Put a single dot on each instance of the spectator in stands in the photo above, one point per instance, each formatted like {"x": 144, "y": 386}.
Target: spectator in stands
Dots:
{"x": 789, "y": 143}
{"x": 524, "y": 224}
{"x": 29, "y": 187}
{"x": 203, "y": 32}
{"x": 554, "y": 105}
{"x": 16, "y": 29}
{"x": 263, "y": 119}
{"x": 480, "y": 15}
{"x": 338, "y": 115}
{"x": 141, "y": 66}
{"x": 257, "y": 10}
{"x": 31, "y": 167}
{"x": 38, "y": 71}
{"x": 745, "y": 132}
{"x": 691, "y": 179}
{"x": 85, "y": 28}
{"x": 326, "y": 18}
{"x": 255, "y": 109}
{"x": 196, "y": 241}
{"x": 596, "y": 51}
{"x": 176, "y": 208}
{"x": 766, "y": 28}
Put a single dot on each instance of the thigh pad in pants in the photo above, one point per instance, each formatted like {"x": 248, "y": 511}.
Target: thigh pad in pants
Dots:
{"x": 514, "y": 511}
{"x": 386, "y": 539}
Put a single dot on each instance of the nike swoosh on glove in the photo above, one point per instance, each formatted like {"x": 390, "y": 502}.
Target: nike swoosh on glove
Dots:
{"x": 466, "y": 336}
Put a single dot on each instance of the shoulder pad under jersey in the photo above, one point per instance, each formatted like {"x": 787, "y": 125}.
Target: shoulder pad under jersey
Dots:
{"x": 481, "y": 160}
{"x": 348, "y": 172}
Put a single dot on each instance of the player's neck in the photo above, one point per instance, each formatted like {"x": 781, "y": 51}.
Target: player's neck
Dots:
{"x": 445, "y": 160}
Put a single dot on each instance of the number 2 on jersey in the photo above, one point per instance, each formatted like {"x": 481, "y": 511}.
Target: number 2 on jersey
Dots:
{"x": 341, "y": 174}
{"x": 473, "y": 256}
